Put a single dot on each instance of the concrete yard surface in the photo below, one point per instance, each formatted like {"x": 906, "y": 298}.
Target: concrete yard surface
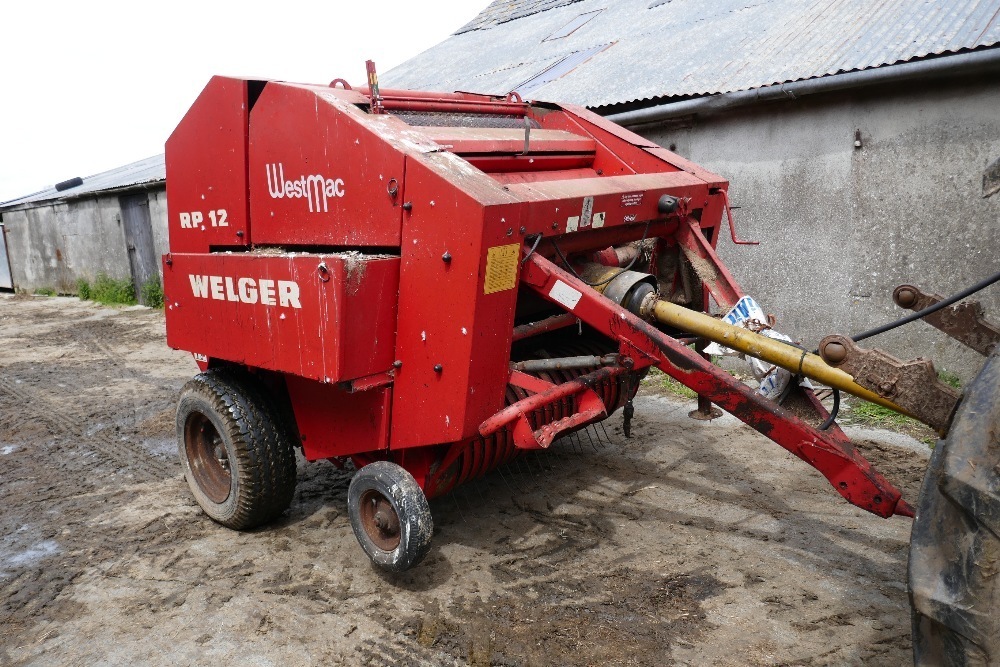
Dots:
{"x": 688, "y": 544}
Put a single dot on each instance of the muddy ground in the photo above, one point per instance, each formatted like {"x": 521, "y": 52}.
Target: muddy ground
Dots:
{"x": 689, "y": 543}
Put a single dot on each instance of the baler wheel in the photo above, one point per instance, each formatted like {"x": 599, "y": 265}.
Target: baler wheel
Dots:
{"x": 390, "y": 516}
{"x": 237, "y": 457}
{"x": 955, "y": 543}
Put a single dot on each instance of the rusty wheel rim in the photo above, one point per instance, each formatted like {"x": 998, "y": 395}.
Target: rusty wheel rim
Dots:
{"x": 208, "y": 457}
{"x": 379, "y": 520}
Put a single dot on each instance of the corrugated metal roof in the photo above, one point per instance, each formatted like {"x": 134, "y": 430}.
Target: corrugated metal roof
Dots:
{"x": 149, "y": 170}
{"x": 501, "y": 11}
{"x": 685, "y": 48}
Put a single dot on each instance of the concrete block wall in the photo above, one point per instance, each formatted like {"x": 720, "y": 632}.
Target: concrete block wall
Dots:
{"x": 54, "y": 245}
{"x": 841, "y": 226}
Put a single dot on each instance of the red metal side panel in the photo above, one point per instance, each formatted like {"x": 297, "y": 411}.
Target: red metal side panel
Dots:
{"x": 583, "y": 205}
{"x": 318, "y": 174}
{"x": 285, "y": 312}
{"x": 452, "y": 313}
{"x": 206, "y": 159}
{"x": 333, "y": 422}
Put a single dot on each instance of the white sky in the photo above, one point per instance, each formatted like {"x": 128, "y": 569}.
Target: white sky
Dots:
{"x": 89, "y": 85}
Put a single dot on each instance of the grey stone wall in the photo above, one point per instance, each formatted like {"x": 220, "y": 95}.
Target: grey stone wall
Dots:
{"x": 841, "y": 226}
{"x": 53, "y": 245}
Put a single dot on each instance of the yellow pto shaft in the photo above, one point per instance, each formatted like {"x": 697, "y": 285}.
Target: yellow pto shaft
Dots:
{"x": 767, "y": 349}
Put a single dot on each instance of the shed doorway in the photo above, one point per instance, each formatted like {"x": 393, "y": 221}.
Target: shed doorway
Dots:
{"x": 139, "y": 241}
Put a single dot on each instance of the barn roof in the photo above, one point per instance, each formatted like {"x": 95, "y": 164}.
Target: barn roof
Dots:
{"x": 608, "y": 52}
{"x": 147, "y": 171}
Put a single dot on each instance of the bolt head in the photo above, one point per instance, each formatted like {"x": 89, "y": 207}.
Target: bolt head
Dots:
{"x": 887, "y": 388}
{"x": 834, "y": 353}
{"x": 438, "y": 368}
{"x": 906, "y": 298}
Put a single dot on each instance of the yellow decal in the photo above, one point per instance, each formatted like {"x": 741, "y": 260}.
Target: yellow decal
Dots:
{"x": 501, "y": 268}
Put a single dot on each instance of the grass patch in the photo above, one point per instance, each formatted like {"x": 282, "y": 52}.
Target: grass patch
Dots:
{"x": 950, "y": 379}
{"x": 871, "y": 414}
{"x": 109, "y": 291}
{"x": 152, "y": 293}
{"x": 45, "y": 291}
{"x": 660, "y": 380}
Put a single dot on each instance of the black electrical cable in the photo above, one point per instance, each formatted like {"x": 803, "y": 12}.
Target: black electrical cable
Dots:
{"x": 920, "y": 314}
{"x": 944, "y": 303}
{"x": 603, "y": 282}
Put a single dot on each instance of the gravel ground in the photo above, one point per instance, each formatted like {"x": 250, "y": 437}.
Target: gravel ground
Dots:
{"x": 690, "y": 543}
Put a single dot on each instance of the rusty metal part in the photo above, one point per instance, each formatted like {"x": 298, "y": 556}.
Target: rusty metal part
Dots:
{"x": 208, "y": 457}
{"x": 913, "y": 385}
{"x": 963, "y": 321}
{"x": 537, "y": 365}
{"x": 705, "y": 410}
{"x": 544, "y": 326}
{"x": 674, "y": 269}
{"x": 379, "y": 520}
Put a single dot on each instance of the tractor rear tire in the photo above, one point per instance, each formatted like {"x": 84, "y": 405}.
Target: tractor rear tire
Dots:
{"x": 955, "y": 543}
{"x": 235, "y": 450}
{"x": 390, "y": 516}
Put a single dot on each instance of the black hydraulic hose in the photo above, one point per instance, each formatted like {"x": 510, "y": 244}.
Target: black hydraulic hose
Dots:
{"x": 944, "y": 303}
{"x": 534, "y": 247}
{"x": 833, "y": 412}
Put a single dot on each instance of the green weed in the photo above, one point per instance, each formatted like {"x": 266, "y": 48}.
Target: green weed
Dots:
{"x": 950, "y": 379}
{"x": 83, "y": 289}
{"x": 45, "y": 291}
{"x": 109, "y": 291}
{"x": 152, "y": 293}
{"x": 871, "y": 414}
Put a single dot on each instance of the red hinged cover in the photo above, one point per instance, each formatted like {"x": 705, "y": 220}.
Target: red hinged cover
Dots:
{"x": 328, "y": 317}
{"x": 206, "y": 159}
{"x": 319, "y": 172}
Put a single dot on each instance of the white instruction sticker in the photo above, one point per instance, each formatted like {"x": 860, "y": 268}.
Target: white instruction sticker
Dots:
{"x": 572, "y": 223}
{"x": 565, "y": 295}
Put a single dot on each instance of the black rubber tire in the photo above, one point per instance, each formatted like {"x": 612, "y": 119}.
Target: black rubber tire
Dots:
{"x": 413, "y": 515}
{"x": 955, "y": 544}
{"x": 258, "y": 450}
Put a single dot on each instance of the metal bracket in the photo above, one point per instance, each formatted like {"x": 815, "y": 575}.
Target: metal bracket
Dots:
{"x": 912, "y": 385}
{"x": 963, "y": 321}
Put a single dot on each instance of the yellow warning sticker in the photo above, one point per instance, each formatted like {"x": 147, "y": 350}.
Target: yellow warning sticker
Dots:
{"x": 501, "y": 268}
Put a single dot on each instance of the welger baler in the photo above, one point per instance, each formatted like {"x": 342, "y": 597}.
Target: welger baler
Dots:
{"x": 427, "y": 284}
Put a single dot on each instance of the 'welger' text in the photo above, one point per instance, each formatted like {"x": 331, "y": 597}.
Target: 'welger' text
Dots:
{"x": 283, "y": 293}
{"x": 317, "y": 189}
